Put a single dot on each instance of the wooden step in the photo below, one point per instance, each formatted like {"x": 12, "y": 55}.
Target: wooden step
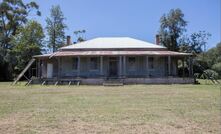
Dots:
{"x": 113, "y": 84}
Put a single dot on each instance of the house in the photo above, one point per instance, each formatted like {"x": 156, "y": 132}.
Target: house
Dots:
{"x": 122, "y": 59}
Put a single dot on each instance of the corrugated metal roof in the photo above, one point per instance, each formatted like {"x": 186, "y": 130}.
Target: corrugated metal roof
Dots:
{"x": 43, "y": 55}
{"x": 112, "y": 42}
{"x": 115, "y": 53}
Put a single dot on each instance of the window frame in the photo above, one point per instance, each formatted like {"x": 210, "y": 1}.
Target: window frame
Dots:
{"x": 151, "y": 67}
{"x": 75, "y": 59}
{"x": 90, "y": 64}
{"x": 132, "y": 68}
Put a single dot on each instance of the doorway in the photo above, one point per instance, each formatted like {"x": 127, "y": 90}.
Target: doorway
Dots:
{"x": 49, "y": 70}
{"x": 113, "y": 67}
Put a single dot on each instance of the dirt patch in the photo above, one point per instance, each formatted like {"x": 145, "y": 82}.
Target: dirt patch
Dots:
{"x": 14, "y": 123}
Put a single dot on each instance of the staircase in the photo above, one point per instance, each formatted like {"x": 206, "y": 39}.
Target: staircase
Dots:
{"x": 213, "y": 80}
{"x": 23, "y": 72}
{"x": 113, "y": 82}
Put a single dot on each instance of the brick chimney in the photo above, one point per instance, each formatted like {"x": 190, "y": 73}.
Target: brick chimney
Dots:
{"x": 68, "y": 40}
{"x": 157, "y": 39}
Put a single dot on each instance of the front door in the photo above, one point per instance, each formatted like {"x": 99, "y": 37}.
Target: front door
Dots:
{"x": 49, "y": 70}
{"x": 113, "y": 68}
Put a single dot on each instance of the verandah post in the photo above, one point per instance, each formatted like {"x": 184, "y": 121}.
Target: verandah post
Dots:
{"x": 79, "y": 66}
{"x": 183, "y": 67}
{"x": 101, "y": 65}
{"x": 124, "y": 66}
{"x": 59, "y": 68}
{"x": 147, "y": 66}
{"x": 120, "y": 66}
{"x": 190, "y": 67}
{"x": 169, "y": 65}
{"x": 39, "y": 69}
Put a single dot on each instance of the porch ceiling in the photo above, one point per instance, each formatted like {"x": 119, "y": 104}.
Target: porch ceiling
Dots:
{"x": 114, "y": 53}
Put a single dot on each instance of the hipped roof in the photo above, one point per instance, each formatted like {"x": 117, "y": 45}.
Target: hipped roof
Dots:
{"x": 112, "y": 43}
{"x": 112, "y": 46}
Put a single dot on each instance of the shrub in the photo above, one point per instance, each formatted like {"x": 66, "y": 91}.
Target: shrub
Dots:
{"x": 217, "y": 68}
{"x": 197, "y": 75}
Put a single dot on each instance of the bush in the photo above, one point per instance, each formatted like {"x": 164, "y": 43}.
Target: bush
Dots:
{"x": 197, "y": 75}
{"x": 217, "y": 68}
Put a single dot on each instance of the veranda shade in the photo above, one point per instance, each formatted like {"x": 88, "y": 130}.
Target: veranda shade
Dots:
{"x": 114, "y": 53}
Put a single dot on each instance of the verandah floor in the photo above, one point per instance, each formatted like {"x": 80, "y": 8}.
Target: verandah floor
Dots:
{"x": 102, "y": 80}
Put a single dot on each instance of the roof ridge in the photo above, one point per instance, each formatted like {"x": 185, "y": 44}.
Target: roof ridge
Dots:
{"x": 112, "y": 42}
{"x": 112, "y": 36}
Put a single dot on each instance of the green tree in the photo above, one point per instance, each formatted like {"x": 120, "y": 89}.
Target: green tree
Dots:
{"x": 218, "y": 47}
{"x": 13, "y": 14}
{"x": 172, "y": 35}
{"x": 27, "y": 42}
{"x": 172, "y": 27}
{"x": 56, "y": 28}
{"x": 217, "y": 68}
{"x": 196, "y": 43}
{"x": 210, "y": 59}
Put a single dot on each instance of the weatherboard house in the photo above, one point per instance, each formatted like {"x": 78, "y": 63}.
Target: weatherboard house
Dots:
{"x": 120, "y": 59}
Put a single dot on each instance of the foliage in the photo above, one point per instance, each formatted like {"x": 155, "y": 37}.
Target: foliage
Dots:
{"x": 27, "y": 42}
{"x": 56, "y": 28}
{"x": 13, "y": 14}
{"x": 171, "y": 33}
{"x": 172, "y": 26}
{"x": 210, "y": 60}
{"x": 79, "y": 35}
{"x": 194, "y": 43}
{"x": 217, "y": 67}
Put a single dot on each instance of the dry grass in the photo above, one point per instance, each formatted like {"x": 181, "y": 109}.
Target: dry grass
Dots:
{"x": 98, "y": 109}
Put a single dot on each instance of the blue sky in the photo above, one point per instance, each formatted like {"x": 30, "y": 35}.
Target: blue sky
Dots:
{"x": 133, "y": 18}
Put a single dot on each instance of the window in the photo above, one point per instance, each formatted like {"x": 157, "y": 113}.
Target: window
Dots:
{"x": 132, "y": 63}
{"x": 75, "y": 63}
{"x": 94, "y": 63}
{"x": 150, "y": 62}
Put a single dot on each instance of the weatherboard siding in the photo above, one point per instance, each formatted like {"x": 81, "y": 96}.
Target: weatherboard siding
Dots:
{"x": 141, "y": 69}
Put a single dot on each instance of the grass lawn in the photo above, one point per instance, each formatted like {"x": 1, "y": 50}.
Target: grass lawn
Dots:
{"x": 97, "y": 109}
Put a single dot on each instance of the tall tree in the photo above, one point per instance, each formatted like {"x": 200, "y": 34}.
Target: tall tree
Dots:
{"x": 27, "y": 42}
{"x": 13, "y": 14}
{"x": 172, "y": 26}
{"x": 56, "y": 28}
